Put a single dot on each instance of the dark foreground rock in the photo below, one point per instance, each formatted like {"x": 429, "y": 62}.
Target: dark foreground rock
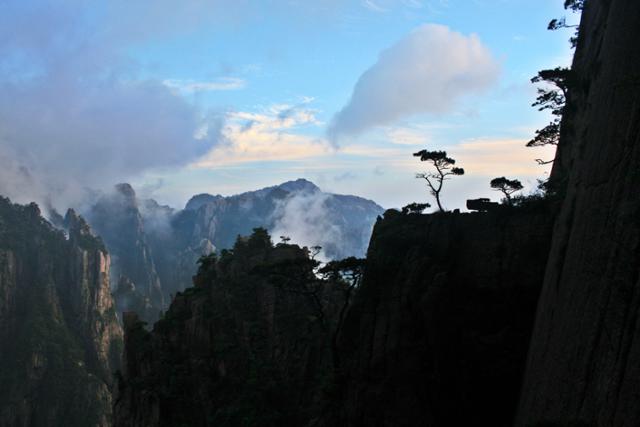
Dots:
{"x": 584, "y": 363}
{"x": 438, "y": 333}
{"x": 247, "y": 346}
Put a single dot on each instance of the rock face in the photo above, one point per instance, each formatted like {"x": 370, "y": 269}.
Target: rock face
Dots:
{"x": 438, "y": 332}
{"x": 242, "y": 347}
{"x": 59, "y": 335}
{"x": 117, "y": 219}
{"x": 583, "y": 363}
{"x": 299, "y": 209}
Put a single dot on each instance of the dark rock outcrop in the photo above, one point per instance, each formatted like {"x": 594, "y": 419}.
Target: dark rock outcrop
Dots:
{"x": 59, "y": 337}
{"x": 583, "y": 362}
{"x": 438, "y": 332}
{"x": 247, "y": 346}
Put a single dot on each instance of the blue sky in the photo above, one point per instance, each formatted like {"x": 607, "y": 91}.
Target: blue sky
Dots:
{"x": 222, "y": 97}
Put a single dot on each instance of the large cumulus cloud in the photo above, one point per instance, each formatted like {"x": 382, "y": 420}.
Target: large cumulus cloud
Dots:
{"x": 427, "y": 71}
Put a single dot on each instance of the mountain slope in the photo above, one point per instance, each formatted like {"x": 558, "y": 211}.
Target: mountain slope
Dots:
{"x": 299, "y": 209}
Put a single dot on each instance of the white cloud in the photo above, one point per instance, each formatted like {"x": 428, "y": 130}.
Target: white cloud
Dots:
{"x": 191, "y": 86}
{"x": 272, "y": 134}
{"x": 428, "y": 71}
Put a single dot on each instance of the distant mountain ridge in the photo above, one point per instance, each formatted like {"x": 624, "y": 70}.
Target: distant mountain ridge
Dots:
{"x": 155, "y": 248}
{"x": 221, "y": 219}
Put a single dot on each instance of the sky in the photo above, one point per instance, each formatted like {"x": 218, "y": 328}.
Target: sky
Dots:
{"x": 226, "y": 96}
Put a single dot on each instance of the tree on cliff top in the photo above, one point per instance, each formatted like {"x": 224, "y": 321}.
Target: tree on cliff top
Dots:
{"x": 506, "y": 186}
{"x": 444, "y": 167}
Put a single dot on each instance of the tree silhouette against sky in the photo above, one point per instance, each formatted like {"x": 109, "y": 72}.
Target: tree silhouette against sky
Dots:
{"x": 506, "y": 186}
{"x": 444, "y": 167}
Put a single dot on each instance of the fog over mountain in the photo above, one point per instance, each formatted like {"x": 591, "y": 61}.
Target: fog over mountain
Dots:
{"x": 155, "y": 248}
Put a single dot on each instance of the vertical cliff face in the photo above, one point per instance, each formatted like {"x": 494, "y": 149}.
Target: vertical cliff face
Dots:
{"x": 583, "y": 365}
{"x": 59, "y": 335}
{"x": 117, "y": 219}
{"x": 248, "y": 345}
{"x": 438, "y": 332}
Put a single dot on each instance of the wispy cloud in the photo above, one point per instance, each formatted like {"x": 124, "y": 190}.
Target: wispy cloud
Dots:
{"x": 191, "y": 86}
{"x": 373, "y": 6}
{"x": 273, "y": 134}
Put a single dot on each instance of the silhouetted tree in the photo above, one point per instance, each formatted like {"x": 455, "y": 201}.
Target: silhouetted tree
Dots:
{"x": 555, "y": 24}
{"x": 506, "y": 186}
{"x": 444, "y": 167}
{"x": 315, "y": 251}
{"x": 553, "y": 99}
{"x": 415, "y": 208}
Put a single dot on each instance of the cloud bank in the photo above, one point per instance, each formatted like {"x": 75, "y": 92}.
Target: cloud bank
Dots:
{"x": 428, "y": 71}
{"x": 74, "y": 114}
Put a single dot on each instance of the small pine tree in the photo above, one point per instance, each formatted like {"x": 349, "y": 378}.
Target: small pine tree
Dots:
{"x": 506, "y": 186}
{"x": 444, "y": 167}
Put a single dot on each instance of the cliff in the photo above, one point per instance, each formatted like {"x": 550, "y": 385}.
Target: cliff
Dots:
{"x": 59, "y": 335}
{"x": 248, "y": 345}
{"x": 438, "y": 332}
{"x": 583, "y": 363}
{"x": 117, "y": 219}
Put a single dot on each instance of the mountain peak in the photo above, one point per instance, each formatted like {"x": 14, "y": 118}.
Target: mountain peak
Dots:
{"x": 299, "y": 184}
{"x": 126, "y": 190}
{"x": 199, "y": 200}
